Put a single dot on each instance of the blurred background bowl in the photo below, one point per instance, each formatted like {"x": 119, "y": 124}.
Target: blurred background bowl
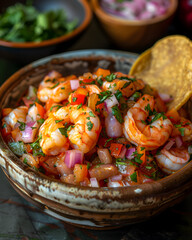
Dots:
{"x": 29, "y": 51}
{"x": 130, "y": 35}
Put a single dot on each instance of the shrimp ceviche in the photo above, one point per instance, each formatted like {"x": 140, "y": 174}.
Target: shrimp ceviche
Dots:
{"x": 99, "y": 129}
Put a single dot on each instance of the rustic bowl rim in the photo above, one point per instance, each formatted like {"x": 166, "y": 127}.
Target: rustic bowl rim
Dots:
{"x": 161, "y": 186}
{"x": 53, "y": 41}
{"x": 101, "y": 14}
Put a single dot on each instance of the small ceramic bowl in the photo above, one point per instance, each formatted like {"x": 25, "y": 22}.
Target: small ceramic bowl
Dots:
{"x": 29, "y": 51}
{"x": 130, "y": 35}
{"x": 86, "y": 207}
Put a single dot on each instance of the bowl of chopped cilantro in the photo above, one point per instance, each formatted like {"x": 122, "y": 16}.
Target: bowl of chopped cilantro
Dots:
{"x": 33, "y": 29}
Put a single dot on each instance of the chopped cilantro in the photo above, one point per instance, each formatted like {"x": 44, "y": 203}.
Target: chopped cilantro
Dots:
{"x": 182, "y": 131}
{"x": 133, "y": 177}
{"x": 22, "y": 125}
{"x": 157, "y": 116}
{"x": 57, "y": 121}
{"x": 116, "y": 112}
{"x": 41, "y": 121}
{"x": 118, "y": 94}
{"x": 63, "y": 131}
{"x": 126, "y": 85}
{"x": 79, "y": 106}
{"x": 103, "y": 96}
{"x": 110, "y": 78}
{"x": 89, "y": 125}
{"x": 55, "y": 106}
{"x": 91, "y": 114}
{"x": 54, "y": 86}
{"x": 74, "y": 99}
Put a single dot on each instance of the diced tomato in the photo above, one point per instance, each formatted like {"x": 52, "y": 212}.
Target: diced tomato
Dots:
{"x": 50, "y": 166}
{"x": 49, "y": 104}
{"x": 40, "y": 109}
{"x": 141, "y": 150}
{"x": 102, "y": 72}
{"x": 173, "y": 115}
{"x": 161, "y": 107}
{"x": 29, "y": 148}
{"x": 104, "y": 142}
{"x": 87, "y": 80}
{"x": 28, "y": 102}
{"x": 115, "y": 149}
{"x": 15, "y": 133}
{"x": 71, "y": 77}
{"x": 77, "y": 99}
{"x": 6, "y": 111}
{"x": 80, "y": 172}
{"x": 92, "y": 103}
{"x": 5, "y": 130}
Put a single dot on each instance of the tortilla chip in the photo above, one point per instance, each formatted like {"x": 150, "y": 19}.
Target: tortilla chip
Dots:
{"x": 167, "y": 67}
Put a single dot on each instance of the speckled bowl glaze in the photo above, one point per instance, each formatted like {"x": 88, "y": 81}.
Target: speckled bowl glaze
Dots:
{"x": 86, "y": 207}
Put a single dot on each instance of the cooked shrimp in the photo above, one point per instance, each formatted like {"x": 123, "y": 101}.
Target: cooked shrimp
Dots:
{"x": 18, "y": 114}
{"x": 138, "y": 132}
{"x": 52, "y": 140}
{"x": 55, "y": 87}
{"x": 183, "y": 128}
{"x": 126, "y": 86}
{"x": 172, "y": 160}
{"x": 83, "y": 135}
{"x": 93, "y": 89}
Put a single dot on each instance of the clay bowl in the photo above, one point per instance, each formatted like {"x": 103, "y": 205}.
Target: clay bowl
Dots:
{"x": 29, "y": 51}
{"x": 86, "y": 207}
{"x": 134, "y": 36}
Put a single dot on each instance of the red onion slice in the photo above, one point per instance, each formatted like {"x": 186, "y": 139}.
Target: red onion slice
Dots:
{"x": 74, "y": 84}
{"x": 73, "y": 157}
{"x": 28, "y": 135}
{"x": 170, "y": 143}
{"x": 94, "y": 182}
{"x": 129, "y": 153}
{"x": 111, "y": 101}
{"x": 179, "y": 141}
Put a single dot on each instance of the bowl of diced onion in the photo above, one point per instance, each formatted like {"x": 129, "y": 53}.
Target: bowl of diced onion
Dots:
{"x": 84, "y": 206}
{"x": 134, "y": 25}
